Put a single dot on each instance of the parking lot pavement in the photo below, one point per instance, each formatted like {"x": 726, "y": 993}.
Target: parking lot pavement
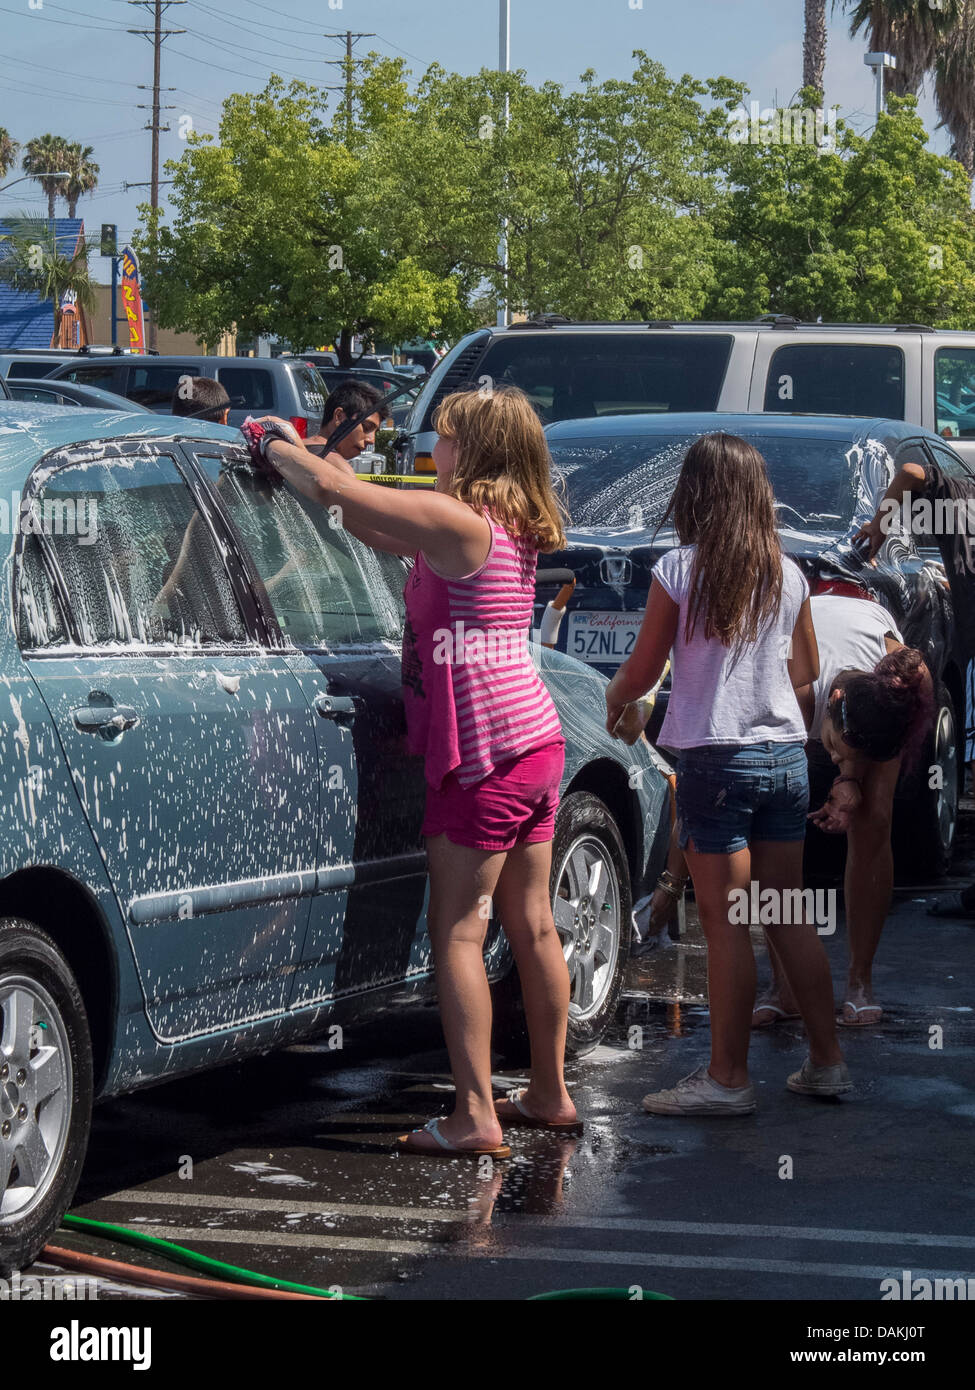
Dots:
{"x": 284, "y": 1164}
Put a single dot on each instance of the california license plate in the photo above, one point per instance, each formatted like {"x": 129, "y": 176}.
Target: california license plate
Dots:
{"x": 603, "y": 639}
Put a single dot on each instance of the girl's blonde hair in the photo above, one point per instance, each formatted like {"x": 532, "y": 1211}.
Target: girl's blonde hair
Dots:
{"x": 503, "y": 462}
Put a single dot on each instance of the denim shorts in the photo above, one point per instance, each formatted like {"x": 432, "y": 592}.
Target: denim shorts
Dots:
{"x": 729, "y": 795}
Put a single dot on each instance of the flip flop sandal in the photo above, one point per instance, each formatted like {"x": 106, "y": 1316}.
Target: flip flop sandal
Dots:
{"x": 446, "y": 1149}
{"x": 859, "y": 1009}
{"x": 783, "y": 1017}
{"x": 951, "y": 905}
{"x": 529, "y": 1121}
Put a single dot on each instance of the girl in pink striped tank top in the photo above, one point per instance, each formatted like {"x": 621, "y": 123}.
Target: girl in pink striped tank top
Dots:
{"x": 482, "y": 720}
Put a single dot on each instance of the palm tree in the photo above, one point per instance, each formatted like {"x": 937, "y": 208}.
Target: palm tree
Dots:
{"x": 84, "y": 175}
{"x": 8, "y": 149}
{"x": 814, "y": 45}
{"x": 954, "y": 91}
{"x": 46, "y": 154}
{"x": 36, "y": 263}
{"x": 910, "y": 29}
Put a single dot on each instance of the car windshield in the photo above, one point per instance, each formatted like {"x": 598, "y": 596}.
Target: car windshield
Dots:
{"x": 629, "y": 481}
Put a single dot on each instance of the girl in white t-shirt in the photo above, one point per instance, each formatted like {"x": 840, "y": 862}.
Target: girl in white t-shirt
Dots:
{"x": 736, "y": 616}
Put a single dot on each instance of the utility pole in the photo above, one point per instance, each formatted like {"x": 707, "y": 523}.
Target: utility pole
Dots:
{"x": 504, "y": 65}
{"x": 157, "y": 34}
{"x": 348, "y": 63}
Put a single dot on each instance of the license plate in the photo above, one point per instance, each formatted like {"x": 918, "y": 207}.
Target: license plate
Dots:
{"x": 604, "y": 639}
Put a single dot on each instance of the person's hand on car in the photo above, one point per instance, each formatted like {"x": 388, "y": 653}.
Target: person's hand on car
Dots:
{"x": 872, "y": 532}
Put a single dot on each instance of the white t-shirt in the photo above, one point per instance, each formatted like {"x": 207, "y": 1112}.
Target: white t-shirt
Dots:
{"x": 850, "y": 633}
{"x": 716, "y": 698}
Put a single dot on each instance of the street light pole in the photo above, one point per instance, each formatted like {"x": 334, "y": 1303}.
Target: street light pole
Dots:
{"x": 58, "y": 174}
{"x": 504, "y": 65}
{"x": 879, "y": 61}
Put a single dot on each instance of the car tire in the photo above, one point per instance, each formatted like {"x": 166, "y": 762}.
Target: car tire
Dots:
{"x": 927, "y": 819}
{"x": 595, "y": 938}
{"x": 46, "y": 1086}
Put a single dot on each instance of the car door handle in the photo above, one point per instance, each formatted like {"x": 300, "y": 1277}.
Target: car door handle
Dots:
{"x": 108, "y": 719}
{"x": 342, "y": 708}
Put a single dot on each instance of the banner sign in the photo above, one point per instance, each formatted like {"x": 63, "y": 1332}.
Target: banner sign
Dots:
{"x": 132, "y": 300}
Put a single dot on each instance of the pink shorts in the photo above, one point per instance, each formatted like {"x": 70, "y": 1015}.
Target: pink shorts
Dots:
{"x": 514, "y": 805}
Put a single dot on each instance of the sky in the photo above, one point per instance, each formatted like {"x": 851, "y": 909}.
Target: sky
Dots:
{"x": 71, "y": 67}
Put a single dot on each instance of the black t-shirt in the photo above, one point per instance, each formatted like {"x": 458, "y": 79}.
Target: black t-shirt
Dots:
{"x": 954, "y": 540}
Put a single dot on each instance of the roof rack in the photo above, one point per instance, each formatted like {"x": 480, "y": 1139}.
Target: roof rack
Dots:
{"x": 786, "y": 322}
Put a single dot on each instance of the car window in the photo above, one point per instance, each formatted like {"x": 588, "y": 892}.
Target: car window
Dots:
{"x": 91, "y": 375}
{"x": 39, "y": 619}
{"x": 575, "y": 376}
{"x": 949, "y": 463}
{"x": 37, "y": 393}
{"x": 954, "y": 392}
{"x": 155, "y": 386}
{"x": 31, "y": 369}
{"x": 137, "y": 556}
{"x": 249, "y": 388}
{"x": 837, "y": 379}
{"x": 326, "y": 588}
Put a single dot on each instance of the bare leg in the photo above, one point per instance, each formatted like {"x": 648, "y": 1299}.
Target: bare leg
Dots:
{"x": 522, "y": 899}
{"x": 868, "y": 886}
{"x": 461, "y": 881}
{"x": 731, "y": 961}
{"x": 779, "y": 865}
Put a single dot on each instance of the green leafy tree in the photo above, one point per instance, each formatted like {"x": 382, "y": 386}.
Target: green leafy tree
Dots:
{"x": 606, "y": 191}
{"x": 879, "y": 230}
{"x": 35, "y": 262}
{"x": 279, "y": 229}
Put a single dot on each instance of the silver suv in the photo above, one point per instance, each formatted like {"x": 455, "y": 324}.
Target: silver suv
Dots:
{"x": 283, "y": 386}
{"x": 573, "y": 370}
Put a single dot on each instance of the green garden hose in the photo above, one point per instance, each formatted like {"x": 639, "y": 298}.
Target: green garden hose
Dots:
{"x": 181, "y": 1255}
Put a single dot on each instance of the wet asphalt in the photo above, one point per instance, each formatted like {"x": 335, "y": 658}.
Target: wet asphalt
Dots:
{"x": 285, "y": 1165}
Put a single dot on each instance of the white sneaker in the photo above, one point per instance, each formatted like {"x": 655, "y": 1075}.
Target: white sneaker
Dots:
{"x": 820, "y": 1081}
{"x": 700, "y": 1094}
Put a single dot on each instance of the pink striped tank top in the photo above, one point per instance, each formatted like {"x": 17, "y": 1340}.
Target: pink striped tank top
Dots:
{"x": 472, "y": 694}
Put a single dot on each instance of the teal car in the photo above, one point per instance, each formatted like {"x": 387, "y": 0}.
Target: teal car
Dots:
{"x": 209, "y": 823}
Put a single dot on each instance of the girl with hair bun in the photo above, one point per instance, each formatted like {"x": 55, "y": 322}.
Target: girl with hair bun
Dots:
{"x": 868, "y": 714}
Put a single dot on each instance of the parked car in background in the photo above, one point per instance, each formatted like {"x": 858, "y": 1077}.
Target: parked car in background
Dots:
{"x": 256, "y": 385}
{"x": 572, "y": 370}
{"x": 72, "y": 393}
{"x": 829, "y": 474}
{"x": 34, "y": 362}
{"x": 209, "y": 826}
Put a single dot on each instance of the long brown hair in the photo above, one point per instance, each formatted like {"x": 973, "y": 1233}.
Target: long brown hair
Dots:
{"x": 503, "y": 462}
{"x": 723, "y": 504}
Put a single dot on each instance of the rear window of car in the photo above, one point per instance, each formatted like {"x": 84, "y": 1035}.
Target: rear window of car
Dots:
{"x": 311, "y": 394}
{"x": 249, "y": 388}
{"x": 568, "y": 376}
{"x": 31, "y": 369}
{"x": 836, "y": 379}
{"x": 630, "y": 481}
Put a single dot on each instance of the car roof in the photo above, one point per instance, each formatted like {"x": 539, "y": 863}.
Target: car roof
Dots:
{"x": 29, "y": 430}
{"x": 842, "y": 427}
